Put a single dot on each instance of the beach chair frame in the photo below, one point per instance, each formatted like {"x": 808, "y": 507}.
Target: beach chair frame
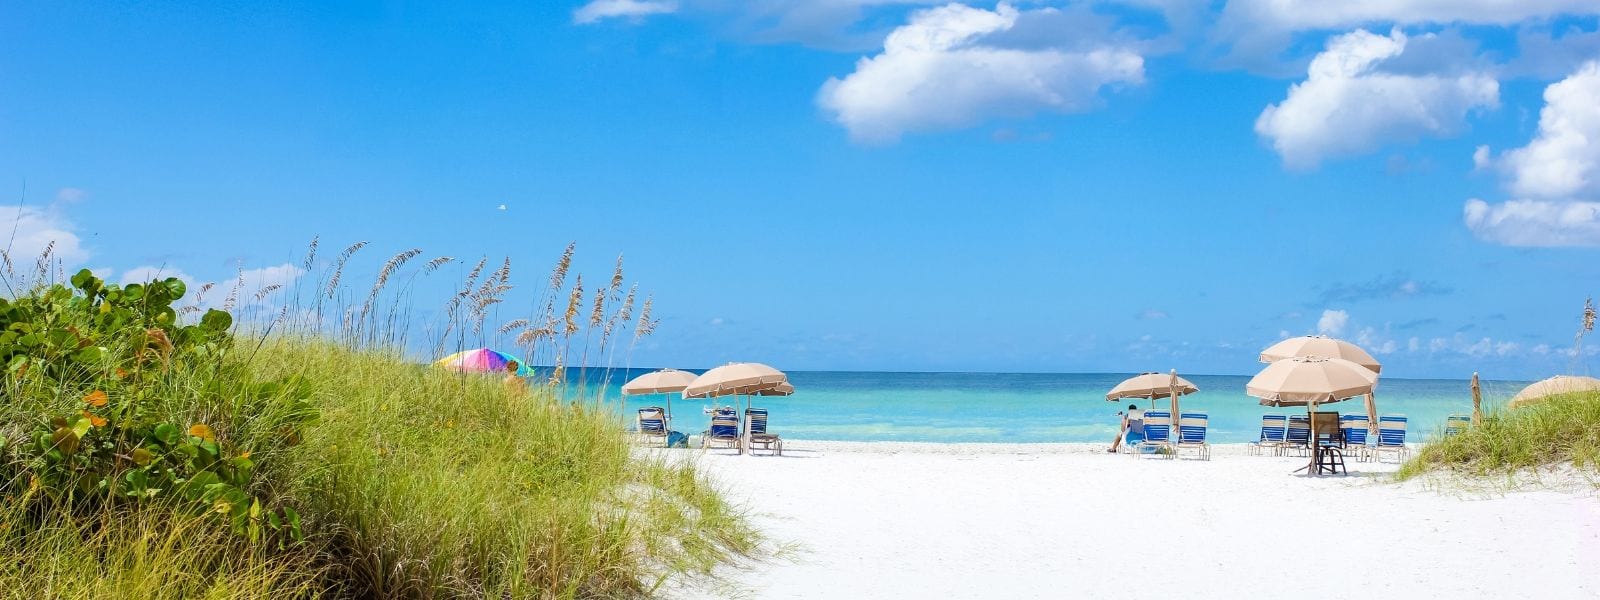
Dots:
{"x": 1455, "y": 424}
{"x": 1157, "y": 434}
{"x": 1274, "y": 431}
{"x": 723, "y": 431}
{"x": 1354, "y": 427}
{"x": 1391, "y": 438}
{"x": 1192, "y": 435}
{"x": 1297, "y": 436}
{"x": 755, "y": 420}
{"x": 651, "y": 425}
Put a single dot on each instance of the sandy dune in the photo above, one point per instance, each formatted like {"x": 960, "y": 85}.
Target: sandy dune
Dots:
{"x": 895, "y": 520}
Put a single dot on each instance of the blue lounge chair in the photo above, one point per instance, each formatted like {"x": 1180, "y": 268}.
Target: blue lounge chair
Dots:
{"x": 1192, "y": 434}
{"x": 652, "y": 425}
{"x": 724, "y": 429}
{"x": 1274, "y": 428}
{"x": 1391, "y": 437}
{"x": 1455, "y": 424}
{"x": 1354, "y": 428}
{"x": 1157, "y": 434}
{"x": 1298, "y": 437}
{"x": 755, "y": 420}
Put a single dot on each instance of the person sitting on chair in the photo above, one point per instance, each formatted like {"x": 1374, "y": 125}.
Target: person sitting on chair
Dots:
{"x": 1132, "y": 428}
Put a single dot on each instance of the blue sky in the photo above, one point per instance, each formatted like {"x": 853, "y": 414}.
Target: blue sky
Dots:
{"x": 854, "y": 184}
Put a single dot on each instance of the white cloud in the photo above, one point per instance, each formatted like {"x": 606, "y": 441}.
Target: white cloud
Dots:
{"x": 1534, "y": 222}
{"x": 248, "y": 282}
{"x": 1348, "y": 106}
{"x": 1150, "y": 314}
{"x": 1413, "y": 344}
{"x": 598, "y": 10}
{"x": 1297, "y": 15}
{"x": 1557, "y": 173}
{"x": 1332, "y": 322}
{"x": 1480, "y": 158}
{"x": 1563, "y": 159}
{"x": 945, "y": 69}
{"x": 25, "y": 232}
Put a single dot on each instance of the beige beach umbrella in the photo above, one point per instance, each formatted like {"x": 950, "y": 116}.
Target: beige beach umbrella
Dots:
{"x": 1153, "y": 386}
{"x": 665, "y": 381}
{"x": 1320, "y": 345}
{"x": 736, "y": 379}
{"x": 1554, "y": 386}
{"x": 1311, "y": 380}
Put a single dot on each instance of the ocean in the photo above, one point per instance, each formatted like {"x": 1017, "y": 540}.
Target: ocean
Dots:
{"x": 1027, "y": 407}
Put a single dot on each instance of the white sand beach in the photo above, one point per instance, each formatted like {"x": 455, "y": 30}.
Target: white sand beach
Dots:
{"x": 905, "y": 520}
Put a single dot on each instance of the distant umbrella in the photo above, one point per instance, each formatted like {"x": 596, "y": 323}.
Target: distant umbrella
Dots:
{"x": 1320, "y": 345}
{"x": 665, "y": 381}
{"x": 482, "y": 360}
{"x": 1554, "y": 386}
{"x": 739, "y": 379}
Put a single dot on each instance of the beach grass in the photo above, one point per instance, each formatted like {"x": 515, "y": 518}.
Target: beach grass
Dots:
{"x": 148, "y": 453}
{"x": 1563, "y": 429}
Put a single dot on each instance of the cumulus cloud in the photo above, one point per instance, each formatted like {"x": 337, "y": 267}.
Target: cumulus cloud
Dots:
{"x": 599, "y": 10}
{"x": 25, "y": 232}
{"x": 1534, "y": 222}
{"x": 1564, "y": 157}
{"x": 1348, "y": 105}
{"x": 1332, "y": 322}
{"x": 951, "y": 67}
{"x": 1557, "y": 174}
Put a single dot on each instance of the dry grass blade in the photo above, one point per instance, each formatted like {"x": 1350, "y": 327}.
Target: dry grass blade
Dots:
{"x": 513, "y": 324}
{"x": 43, "y": 265}
{"x": 393, "y": 264}
{"x": 266, "y": 291}
{"x": 573, "y": 302}
{"x": 558, "y": 276}
{"x": 338, "y": 269}
{"x": 616, "y": 280}
{"x": 646, "y": 325}
{"x": 233, "y": 293}
{"x": 597, "y": 314}
{"x": 433, "y": 265}
{"x": 311, "y": 253}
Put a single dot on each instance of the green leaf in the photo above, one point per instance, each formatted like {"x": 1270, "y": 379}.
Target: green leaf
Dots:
{"x": 133, "y": 292}
{"x": 294, "y": 523}
{"x": 82, "y": 426}
{"x": 216, "y": 320}
{"x": 175, "y": 287}
{"x": 167, "y": 434}
{"x": 83, "y": 280}
{"x": 90, "y": 355}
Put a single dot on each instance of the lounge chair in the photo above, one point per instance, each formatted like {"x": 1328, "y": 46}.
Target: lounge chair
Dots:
{"x": 724, "y": 430}
{"x": 652, "y": 425}
{"x": 1455, "y": 424}
{"x": 1354, "y": 428}
{"x": 755, "y": 419}
{"x": 1391, "y": 437}
{"x": 1157, "y": 433}
{"x": 1192, "y": 434}
{"x": 1273, "y": 430}
{"x": 1298, "y": 437}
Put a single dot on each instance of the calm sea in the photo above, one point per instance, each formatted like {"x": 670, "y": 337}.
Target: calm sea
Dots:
{"x": 1029, "y": 407}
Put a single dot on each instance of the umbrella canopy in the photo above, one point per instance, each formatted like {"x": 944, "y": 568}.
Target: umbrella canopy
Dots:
{"x": 1560, "y": 384}
{"x": 1311, "y": 380}
{"x": 1150, "y": 386}
{"x": 665, "y": 381}
{"x": 1320, "y": 345}
{"x": 482, "y": 360}
{"x": 734, "y": 379}
{"x": 782, "y": 389}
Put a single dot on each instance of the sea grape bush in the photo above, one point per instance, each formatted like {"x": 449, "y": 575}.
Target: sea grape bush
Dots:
{"x": 89, "y": 375}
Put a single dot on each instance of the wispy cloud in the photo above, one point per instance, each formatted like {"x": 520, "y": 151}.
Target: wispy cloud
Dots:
{"x": 1392, "y": 286}
{"x": 1150, "y": 314}
{"x": 599, "y": 10}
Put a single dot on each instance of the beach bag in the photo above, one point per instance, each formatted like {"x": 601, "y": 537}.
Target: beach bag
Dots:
{"x": 677, "y": 440}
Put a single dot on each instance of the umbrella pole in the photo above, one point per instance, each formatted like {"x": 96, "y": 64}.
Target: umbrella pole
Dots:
{"x": 1372, "y": 415}
{"x": 1477, "y": 401}
{"x": 1172, "y": 388}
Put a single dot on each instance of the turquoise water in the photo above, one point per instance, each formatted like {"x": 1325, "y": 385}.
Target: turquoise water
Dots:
{"x": 1029, "y": 407}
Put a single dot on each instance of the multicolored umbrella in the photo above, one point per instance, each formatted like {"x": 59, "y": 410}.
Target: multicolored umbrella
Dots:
{"x": 482, "y": 360}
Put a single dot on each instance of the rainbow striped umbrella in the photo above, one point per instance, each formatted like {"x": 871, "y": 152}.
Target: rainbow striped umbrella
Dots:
{"x": 482, "y": 360}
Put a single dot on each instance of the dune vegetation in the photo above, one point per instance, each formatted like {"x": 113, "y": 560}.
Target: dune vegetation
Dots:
{"x": 1563, "y": 429}
{"x": 155, "y": 449}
